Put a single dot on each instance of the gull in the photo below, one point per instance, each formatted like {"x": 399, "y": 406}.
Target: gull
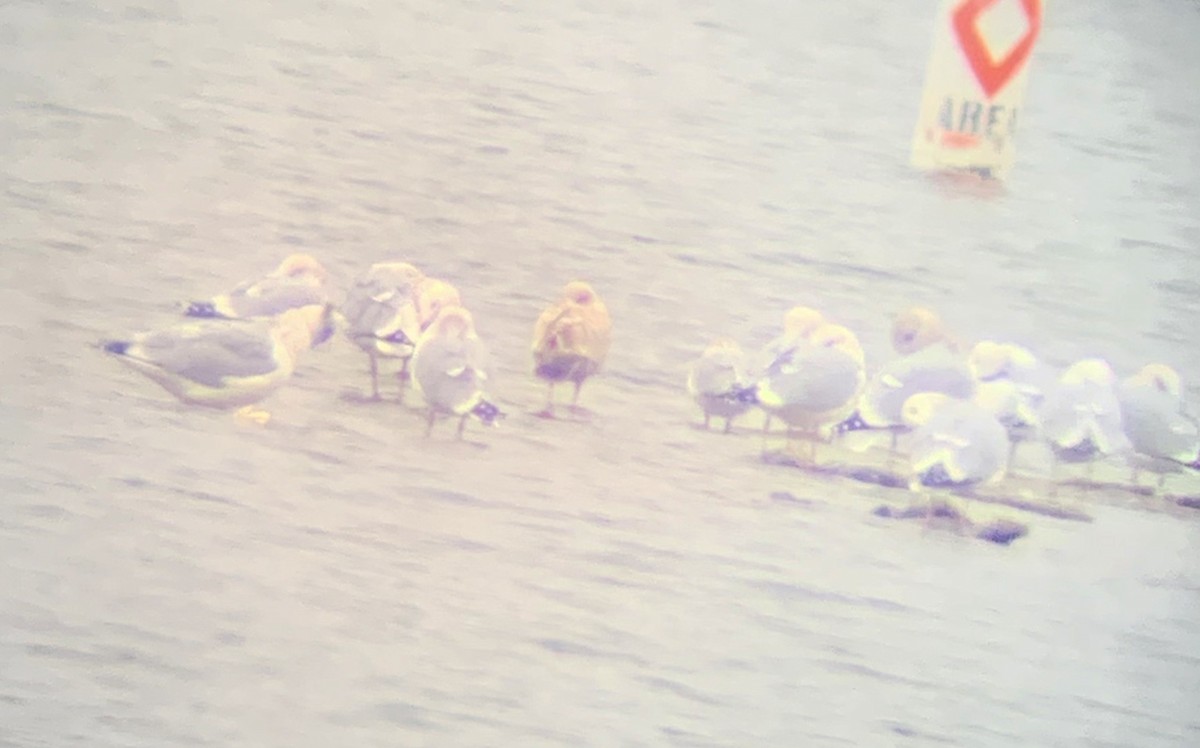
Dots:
{"x": 1081, "y": 415}
{"x": 956, "y": 443}
{"x": 1002, "y": 398}
{"x": 450, "y": 370}
{"x": 571, "y": 339}
{"x": 380, "y": 316}
{"x": 223, "y": 363}
{"x": 714, "y": 380}
{"x": 300, "y": 280}
{"x": 816, "y": 387}
{"x": 1164, "y": 438}
{"x": 991, "y": 361}
{"x": 1012, "y": 384}
{"x": 799, "y": 323}
{"x": 929, "y": 362}
{"x": 917, "y": 328}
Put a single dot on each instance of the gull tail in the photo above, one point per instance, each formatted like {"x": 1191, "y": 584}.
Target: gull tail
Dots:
{"x": 117, "y": 347}
{"x": 203, "y": 309}
{"x": 488, "y": 413}
{"x": 744, "y": 394}
{"x": 854, "y": 423}
{"x": 398, "y": 337}
{"x": 937, "y": 476}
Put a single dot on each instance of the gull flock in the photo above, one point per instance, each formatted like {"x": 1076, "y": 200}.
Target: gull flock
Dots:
{"x": 235, "y": 349}
{"x": 960, "y": 411}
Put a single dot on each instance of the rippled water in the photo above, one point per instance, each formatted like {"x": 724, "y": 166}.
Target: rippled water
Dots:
{"x": 173, "y": 577}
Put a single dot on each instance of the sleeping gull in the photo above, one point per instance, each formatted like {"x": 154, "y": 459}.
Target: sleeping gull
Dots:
{"x": 1164, "y": 437}
{"x": 1081, "y": 416}
{"x": 1012, "y": 384}
{"x": 571, "y": 339}
{"x": 380, "y": 316}
{"x": 956, "y": 444}
{"x": 816, "y": 387}
{"x": 1002, "y": 398}
{"x": 225, "y": 363}
{"x": 799, "y": 323}
{"x": 917, "y": 328}
{"x": 991, "y": 361}
{"x": 930, "y": 362}
{"x": 298, "y": 281}
{"x": 714, "y": 379}
{"x": 450, "y": 370}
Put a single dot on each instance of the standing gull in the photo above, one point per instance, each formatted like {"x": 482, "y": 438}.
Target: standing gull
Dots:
{"x": 298, "y": 281}
{"x": 714, "y": 380}
{"x": 816, "y": 387}
{"x": 799, "y": 323}
{"x": 381, "y": 316}
{"x": 571, "y": 339}
{"x": 450, "y": 370}
{"x": 1164, "y": 438}
{"x": 225, "y": 364}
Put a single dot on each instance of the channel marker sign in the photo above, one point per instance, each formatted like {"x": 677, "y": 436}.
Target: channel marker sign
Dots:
{"x": 975, "y": 85}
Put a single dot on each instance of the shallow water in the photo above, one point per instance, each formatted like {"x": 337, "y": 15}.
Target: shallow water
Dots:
{"x": 174, "y": 577}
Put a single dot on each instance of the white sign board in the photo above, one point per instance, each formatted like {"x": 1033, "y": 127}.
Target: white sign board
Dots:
{"x": 975, "y": 85}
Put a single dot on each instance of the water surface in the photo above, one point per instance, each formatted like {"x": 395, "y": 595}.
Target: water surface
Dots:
{"x": 175, "y": 578}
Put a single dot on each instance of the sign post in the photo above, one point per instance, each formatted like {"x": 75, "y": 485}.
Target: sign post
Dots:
{"x": 975, "y": 85}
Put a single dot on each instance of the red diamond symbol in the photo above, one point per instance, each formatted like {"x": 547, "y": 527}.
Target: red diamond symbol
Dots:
{"x": 993, "y": 75}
